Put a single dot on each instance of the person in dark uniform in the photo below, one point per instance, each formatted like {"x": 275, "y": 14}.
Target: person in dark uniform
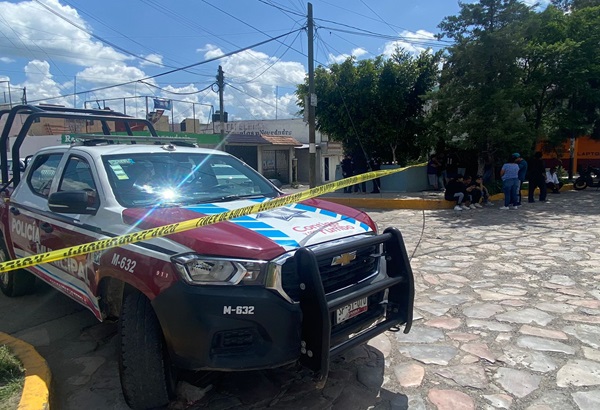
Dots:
{"x": 347, "y": 171}
{"x": 537, "y": 177}
{"x": 375, "y": 165}
{"x": 360, "y": 167}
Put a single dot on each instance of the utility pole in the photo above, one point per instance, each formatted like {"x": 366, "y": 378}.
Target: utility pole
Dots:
{"x": 75, "y": 92}
{"x": 312, "y": 102}
{"x": 221, "y": 84}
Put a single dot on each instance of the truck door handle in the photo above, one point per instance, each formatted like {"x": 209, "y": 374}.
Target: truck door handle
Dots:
{"x": 46, "y": 227}
{"x": 14, "y": 211}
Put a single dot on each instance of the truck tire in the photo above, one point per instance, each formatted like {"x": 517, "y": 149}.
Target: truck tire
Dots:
{"x": 15, "y": 282}
{"x": 147, "y": 378}
{"x": 580, "y": 183}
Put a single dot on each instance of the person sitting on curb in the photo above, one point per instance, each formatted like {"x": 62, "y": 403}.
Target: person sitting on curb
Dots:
{"x": 485, "y": 194}
{"x": 455, "y": 191}
{"x": 473, "y": 192}
{"x": 552, "y": 181}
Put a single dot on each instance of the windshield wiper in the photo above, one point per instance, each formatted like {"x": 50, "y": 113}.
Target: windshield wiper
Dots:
{"x": 236, "y": 197}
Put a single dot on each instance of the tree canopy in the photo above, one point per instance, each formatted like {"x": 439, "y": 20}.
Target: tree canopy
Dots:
{"x": 513, "y": 75}
{"x": 375, "y": 107}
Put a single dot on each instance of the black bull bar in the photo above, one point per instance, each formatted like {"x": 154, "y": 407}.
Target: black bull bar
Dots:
{"x": 317, "y": 307}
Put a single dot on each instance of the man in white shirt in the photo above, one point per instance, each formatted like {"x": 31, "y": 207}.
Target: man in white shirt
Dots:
{"x": 552, "y": 181}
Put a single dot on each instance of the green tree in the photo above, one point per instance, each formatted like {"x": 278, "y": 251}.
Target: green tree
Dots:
{"x": 476, "y": 102}
{"x": 570, "y": 5}
{"x": 375, "y": 106}
{"x": 578, "y": 113}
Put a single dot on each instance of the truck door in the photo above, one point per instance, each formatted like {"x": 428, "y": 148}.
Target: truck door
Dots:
{"x": 29, "y": 202}
{"x": 66, "y": 230}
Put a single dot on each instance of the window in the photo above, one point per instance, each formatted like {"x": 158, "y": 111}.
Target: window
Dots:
{"x": 77, "y": 176}
{"x": 42, "y": 173}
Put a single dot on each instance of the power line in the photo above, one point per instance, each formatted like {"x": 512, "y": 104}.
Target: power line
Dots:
{"x": 175, "y": 92}
{"x": 113, "y": 45}
{"x": 172, "y": 71}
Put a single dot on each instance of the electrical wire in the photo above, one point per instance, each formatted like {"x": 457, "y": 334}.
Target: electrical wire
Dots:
{"x": 272, "y": 64}
{"x": 170, "y": 71}
{"x": 113, "y": 45}
{"x": 175, "y": 92}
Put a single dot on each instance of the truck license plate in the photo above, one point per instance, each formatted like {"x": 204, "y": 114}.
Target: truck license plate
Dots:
{"x": 351, "y": 310}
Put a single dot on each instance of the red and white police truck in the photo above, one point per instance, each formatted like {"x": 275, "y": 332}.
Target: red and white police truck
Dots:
{"x": 302, "y": 282}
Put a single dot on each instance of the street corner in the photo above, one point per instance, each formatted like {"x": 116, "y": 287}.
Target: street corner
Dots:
{"x": 36, "y": 389}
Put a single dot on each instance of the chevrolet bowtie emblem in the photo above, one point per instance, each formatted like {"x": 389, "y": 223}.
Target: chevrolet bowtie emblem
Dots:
{"x": 343, "y": 259}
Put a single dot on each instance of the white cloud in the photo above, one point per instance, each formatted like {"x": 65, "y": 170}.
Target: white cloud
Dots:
{"x": 155, "y": 60}
{"x": 340, "y": 58}
{"x": 41, "y": 85}
{"x": 542, "y": 3}
{"x": 263, "y": 84}
{"x": 252, "y": 78}
{"x": 30, "y": 31}
{"x": 412, "y": 42}
{"x": 210, "y": 51}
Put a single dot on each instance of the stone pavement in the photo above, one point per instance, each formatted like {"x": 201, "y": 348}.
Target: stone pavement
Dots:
{"x": 507, "y": 308}
{"x": 507, "y": 315}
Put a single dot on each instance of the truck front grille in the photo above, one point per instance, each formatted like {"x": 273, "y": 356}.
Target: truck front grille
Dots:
{"x": 334, "y": 277}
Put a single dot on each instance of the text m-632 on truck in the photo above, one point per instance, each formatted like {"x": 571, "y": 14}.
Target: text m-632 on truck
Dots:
{"x": 299, "y": 283}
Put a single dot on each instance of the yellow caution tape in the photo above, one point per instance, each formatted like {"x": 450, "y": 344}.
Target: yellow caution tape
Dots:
{"x": 165, "y": 230}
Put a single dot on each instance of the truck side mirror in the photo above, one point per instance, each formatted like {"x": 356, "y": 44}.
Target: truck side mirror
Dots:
{"x": 73, "y": 202}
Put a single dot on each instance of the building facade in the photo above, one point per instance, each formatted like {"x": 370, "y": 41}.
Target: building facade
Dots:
{"x": 329, "y": 153}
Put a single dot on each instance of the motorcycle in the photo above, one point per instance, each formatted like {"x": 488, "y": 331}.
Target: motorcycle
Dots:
{"x": 588, "y": 177}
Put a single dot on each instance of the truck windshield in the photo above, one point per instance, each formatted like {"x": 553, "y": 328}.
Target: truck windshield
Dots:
{"x": 171, "y": 179}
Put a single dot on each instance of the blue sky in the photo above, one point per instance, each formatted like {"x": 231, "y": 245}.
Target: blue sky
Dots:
{"x": 58, "y": 47}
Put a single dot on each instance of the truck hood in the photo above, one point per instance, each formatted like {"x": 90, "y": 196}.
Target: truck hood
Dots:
{"x": 258, "y": 236}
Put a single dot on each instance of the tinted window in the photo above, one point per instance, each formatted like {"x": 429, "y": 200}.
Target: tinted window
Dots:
{"x": 42, "y": 173}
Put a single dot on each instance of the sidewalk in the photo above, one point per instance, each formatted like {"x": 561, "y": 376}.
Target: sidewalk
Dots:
{"x": 422, "y": 200}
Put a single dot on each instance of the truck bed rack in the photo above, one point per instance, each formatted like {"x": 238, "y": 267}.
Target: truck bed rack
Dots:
{"x": 35, "y": 112}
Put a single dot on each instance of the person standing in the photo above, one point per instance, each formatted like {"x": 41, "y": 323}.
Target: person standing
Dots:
{"x": 360, "y": 167}
{"x": 433, "y": 171}
{"x": 510, "y": 183}
{"x": 375, "y": 165}
{"x": 537, "y": 177}
{"x": 347, "y": 171}
{"x": 522, "y": 175}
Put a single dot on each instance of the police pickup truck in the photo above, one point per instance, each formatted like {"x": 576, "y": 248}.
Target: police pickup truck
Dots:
{"x": 299, "y": 283}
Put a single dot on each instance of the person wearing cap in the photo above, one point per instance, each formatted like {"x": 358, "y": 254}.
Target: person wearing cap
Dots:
{"x": 510, "y": 183}
{"x": 521, "y": 175}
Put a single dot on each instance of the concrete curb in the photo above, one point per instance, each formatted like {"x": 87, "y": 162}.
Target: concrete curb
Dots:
{"x": 36, "y": 389}
{"x": 412, "y": 203}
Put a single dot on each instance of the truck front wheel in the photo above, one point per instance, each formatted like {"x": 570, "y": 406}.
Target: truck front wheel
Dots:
{"x": 147, "y": 378}
{"x": 16, "y": 282}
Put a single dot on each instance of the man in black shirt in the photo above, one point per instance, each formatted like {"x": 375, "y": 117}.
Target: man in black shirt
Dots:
{"x": 347, "y": 171}
{"x": 537, "y": 177}
{"x": 456, "y": 191}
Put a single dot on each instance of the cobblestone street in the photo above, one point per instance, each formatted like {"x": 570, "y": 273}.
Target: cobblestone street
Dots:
{"x": 507, "y": 312}
{"x": 507, "y": 316}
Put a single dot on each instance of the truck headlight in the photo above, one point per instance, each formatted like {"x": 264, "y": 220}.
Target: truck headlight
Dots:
{"x": 197, "y": 269}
